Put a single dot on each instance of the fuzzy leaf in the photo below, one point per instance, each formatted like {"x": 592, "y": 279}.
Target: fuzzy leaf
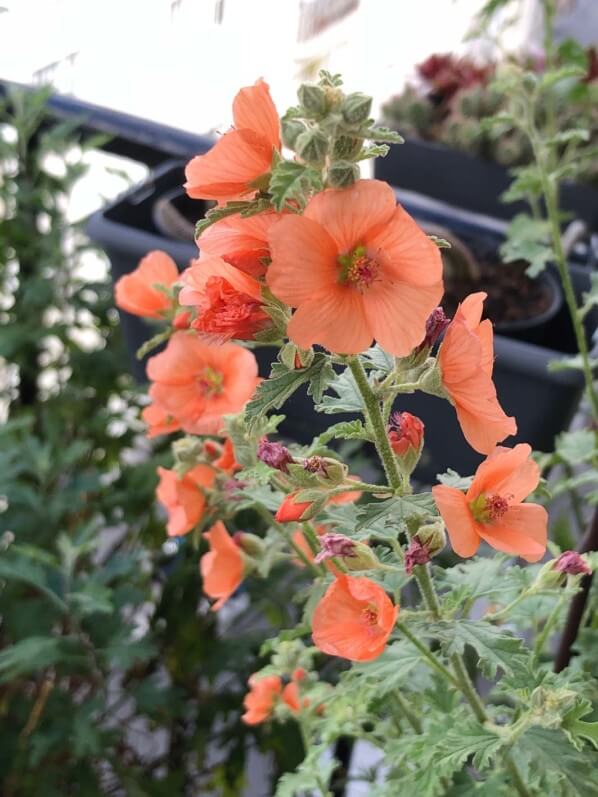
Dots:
{"x": 293, "y": 182}
{"x": 347, "y": 430}
{"x": 395, "y": 510}
{"x": 576, "y": 447}
{"x": 35, "y": 653}
{"x": 348, "y": 397}
{"x": 553, "y": 766}
{"x": 495, "y": 649}
{"x": 389, "y": 671}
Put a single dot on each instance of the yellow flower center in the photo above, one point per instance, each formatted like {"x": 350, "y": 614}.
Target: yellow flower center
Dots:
{"x": 358, "y": 269}
{"x": 210, "y": 382}
{"x": 489, "y": 508}
{"x": 370, "y": 614}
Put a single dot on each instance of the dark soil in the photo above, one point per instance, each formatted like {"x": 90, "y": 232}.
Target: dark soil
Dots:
{"x": 512, "y": 295}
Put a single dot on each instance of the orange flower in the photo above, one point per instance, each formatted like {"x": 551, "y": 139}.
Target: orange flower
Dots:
{"x": 243, "y": 155}
{"x": 260, "y": 700}
{"x": 354, "y": 619}
{"x": 357, "y": 268}
{"x": 491, "y": 510}
{"x": 242, "y": 242}
{"x": 291, "y": 511}
{"x": 159, "y": 421}
{"x": 138, "y": 293}
{"x": 197, "y": 384}
{"x": 228, "y": 302}
{"x": 466, "y": 360}
{"x": 183, "y": 497}
{"x": 222, "y": 456}
{"x": 222, "y": 567}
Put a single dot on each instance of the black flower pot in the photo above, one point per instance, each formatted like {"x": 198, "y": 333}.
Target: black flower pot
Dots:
{"x": 468, "y": 182}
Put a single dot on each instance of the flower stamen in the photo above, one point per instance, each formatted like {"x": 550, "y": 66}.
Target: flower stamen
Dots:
{"x": 359, "y": 269}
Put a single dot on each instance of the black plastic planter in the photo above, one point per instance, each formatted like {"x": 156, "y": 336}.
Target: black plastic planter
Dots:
{"x": 469, "y": 182}
{"x": 542, "y": 402}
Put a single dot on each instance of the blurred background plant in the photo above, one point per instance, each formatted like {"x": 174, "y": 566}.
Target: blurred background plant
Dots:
{"x": 114, "y": 677}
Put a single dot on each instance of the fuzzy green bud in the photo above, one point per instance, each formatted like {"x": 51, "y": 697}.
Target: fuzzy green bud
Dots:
{"x": 187, "y": 452}
{"x": 346, "y": 147}
{"x": 312, "y": 146}
{"x": 291, "y": 130}
{"x": 313, "y": 99}
{"x": 250, "y": 544}
{"x": 342, "y": 174}
{"x": 355, "y": 555}
{"x": 432, "y": 536}
{"x": 356, "y": 108}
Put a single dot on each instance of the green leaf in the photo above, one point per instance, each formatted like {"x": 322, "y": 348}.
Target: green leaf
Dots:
{"x": 552, "y": 765}
{"x": 452, "y": 479}
{"x": 495, "y": 648}
{"x": 528, "y": 239}
{"x": 293, "y": 182}
{"x": 396, "y": 510}
{"x": 346, "y": 430}
{"x": 35, "y": 653}
{"x": 311, "y": 776}
{"x": 92, "y": 598}
{"x": 282, "y": 383}
{"x": 576, "y": 447}
{"x": 382, "y": 134}
{"x": 571, "y": 363}
{"x": 470, "y": 740}
{"x": 348, "y": 396}
{"x": 389, "y": 671}
{"x": 577, "y": 729}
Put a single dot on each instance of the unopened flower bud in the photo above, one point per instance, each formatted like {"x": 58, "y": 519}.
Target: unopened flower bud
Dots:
{"x": 251, "y": 544}
{"x": 571, "y": 563}
{"x": 355, "y": 555}
{"x": 312, "y": 147}
{"x": 435, "y": 326}
{"x": 342, "y": 174}
{"x": 313, "y": 99}
{"x": 432, "y": 536}
{"x": 356, "y": 108}
{"x": 291, "y": 511}
{"x": 406, "y": 438}
{"x": 291, "y": 130}
{"x": 346, "y": 148}
{"x": 182, "y": 320}
{"x": 187, "y": 451}
{"x": 275, "y": 455}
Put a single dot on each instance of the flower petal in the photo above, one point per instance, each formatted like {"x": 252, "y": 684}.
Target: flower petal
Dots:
{"x": 350, "y": 214}
{"x": 508, "y": 472}
{"x": 522, "y": 532}
{"x": 336, "y": 321}
{"x": 253, "y": 108}
{"x": 460, "y": 525}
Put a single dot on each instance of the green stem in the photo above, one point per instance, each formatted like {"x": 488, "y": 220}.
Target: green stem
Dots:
{"x": 373, "y": 413}
{"x": 551, "y": 621}
{"x": 268, "y": 518}
{"x": 468, "y": 689}
{"x": 405, "y": 709}
{"x": 492, "y": 616}
{"x": 432, "y": 660}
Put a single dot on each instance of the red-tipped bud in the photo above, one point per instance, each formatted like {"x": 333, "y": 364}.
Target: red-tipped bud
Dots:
{"x": 406, "y": 438}
{"x": 571, "y": 563}
{"x": 291, "y": 512}
{"x": 435, "y": 326}
{"x": 275, "y": 455}
{"x": 355, "y": 555}
{"x": 299, "y": 674}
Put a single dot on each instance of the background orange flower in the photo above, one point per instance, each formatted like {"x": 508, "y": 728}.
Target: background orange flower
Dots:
{"x": 228, "y": 302}
{"x": 137, "y": 292}
{"x": 491, "y": 510}
{"x": 196, "y": 384}
{"x": 354, "y": 619}
{"x": 466, "y": 360}
{"x": 260, "y": 700}
{"x": 183, "y": 497}
{"x": 242, "y": 155}
{"x": 357, "y": 268}
{"x": 222, "y": 567}
{"x": 242, "y": 242}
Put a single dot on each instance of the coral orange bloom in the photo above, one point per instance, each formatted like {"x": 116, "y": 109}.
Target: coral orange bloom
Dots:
{"x": 243, "y": 155}
{"x": 354, "y": 619}
{"x": 242, "y": 242}
{"x": 357, "y": 268}
{"x": 138, "y": 292}
{"x": 197, "y": 384}
{"x": 491, "y": 510}
{"x": 291, "y": 510}
{"x": 183, "y": 497}
{"x": 228, "y": 302}
{"x": 260, "y": 700}
{"x": 225, "y": 458}
{"x": 466, "y": 359}
{"x": 159, "y": 421}
{"x": 222, "y": 567}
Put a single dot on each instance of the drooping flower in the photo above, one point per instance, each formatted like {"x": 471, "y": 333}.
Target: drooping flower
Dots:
{"x": 492, "y": 509}
{"x": 354, "y": 619}
{"x": 183, "y": 497}
{"x": 222, "y": 568}
{"x": 291, "y": 694}
{"x": 357, "y": 268}
{"x": 197, "y": 384}
{"x": 228, "y": 302}
{"x": 241, "y": 241}
{"x": 159, "y": 421}
{"x": 275, "y": 455}
{"x": 243, "y": 155}
{"x": 466, "y": 360}
{"x": 221, "y": 456}
{"x": 571, "y": 563}
{"x": 260, "y": 700}
{"x": 144, "y": 291}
